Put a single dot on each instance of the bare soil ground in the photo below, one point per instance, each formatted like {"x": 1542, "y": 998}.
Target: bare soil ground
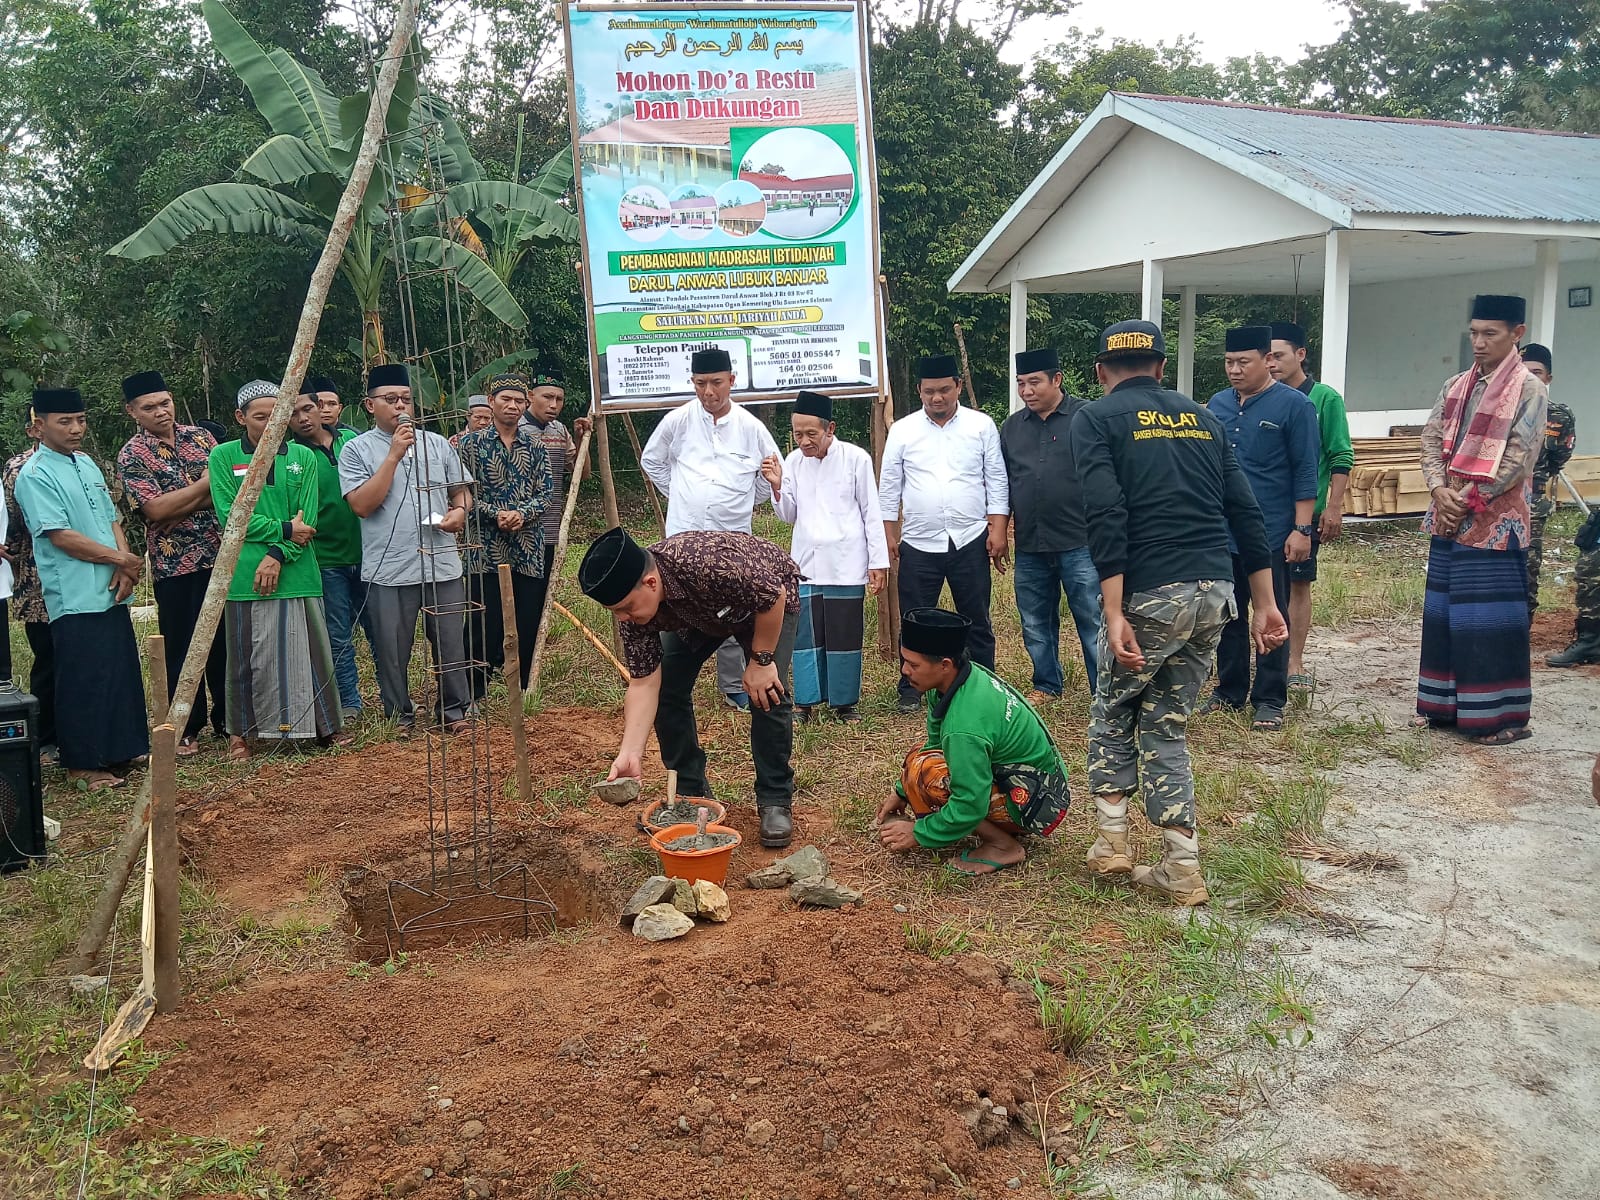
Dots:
{"x": 787, "y": 1053}
{"x": 1457, "y": 1048}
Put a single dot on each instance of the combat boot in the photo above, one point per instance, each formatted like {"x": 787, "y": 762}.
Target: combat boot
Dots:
{"x": 1109, "y": 854}
{"x": 1177, "y": 875}
{"x": 1585, "y": 649}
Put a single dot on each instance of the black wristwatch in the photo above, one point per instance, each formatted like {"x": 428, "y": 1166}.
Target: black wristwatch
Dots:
{"x": 762, "y": 657}
{"x": 1308, "y": 530}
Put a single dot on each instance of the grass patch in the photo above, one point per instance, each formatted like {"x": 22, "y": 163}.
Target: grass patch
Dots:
{"x": 1073, "y": 1017}
{"x": 939, "y": 942}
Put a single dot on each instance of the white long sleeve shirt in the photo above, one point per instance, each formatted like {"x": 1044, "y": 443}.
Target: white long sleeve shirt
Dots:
{"x": 832, "y": 502}
{"x": 948, "y": 478}
{"x": 709, "y": 471}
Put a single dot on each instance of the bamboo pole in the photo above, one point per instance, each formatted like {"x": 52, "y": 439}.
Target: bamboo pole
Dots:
{"x": 557, "y": 562}
{"x": 344, "y": 219}
{"x": 155, "y": 655}
{"x": 164, "y": 851}
{"x": 513, "y": 659}
{"x": 593, "y": 637}
{"x": 649, "y": 488}
{"x": 966, "y": 367}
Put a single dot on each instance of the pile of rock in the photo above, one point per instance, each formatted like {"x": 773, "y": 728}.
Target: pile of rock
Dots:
{"x": 663, "y": 909}
{"x": 805, "y": 874}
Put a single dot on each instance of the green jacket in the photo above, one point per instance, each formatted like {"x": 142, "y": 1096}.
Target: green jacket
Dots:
{"x": 1334, "y": 426}
{"x": 291, "y": 488}
{"x": 338, "y": 540}
{"x": 982, "y": 726}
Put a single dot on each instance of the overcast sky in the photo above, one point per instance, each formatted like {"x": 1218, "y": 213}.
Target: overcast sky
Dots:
{"x": 1225, "y": 27}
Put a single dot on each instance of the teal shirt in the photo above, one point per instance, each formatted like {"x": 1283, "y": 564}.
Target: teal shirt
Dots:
{"x": 58, "y": 491}
{"x": 984, "y": 725}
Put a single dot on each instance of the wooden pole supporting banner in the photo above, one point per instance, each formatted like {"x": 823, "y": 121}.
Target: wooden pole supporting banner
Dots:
{"x": 649, "y": 488}
{"x": 513, "y": 653}
{"x": 155, "y": 661}
{"x": 556, "y": 563}
{"x": 608, "y": 482}
{"x": 888, "y": 599}
{"x": 164, "y": 849}
{"x": 210, "y": 617}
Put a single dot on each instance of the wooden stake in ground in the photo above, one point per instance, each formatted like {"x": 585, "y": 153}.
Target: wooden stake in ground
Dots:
{"x": 556, "y": 564}
{"x": 513, "y": 658}
{"x": 649, "y": 488}
{"x": 164, "y": 852}
{"x": 966, "y": 367}
{"x": 155, "y": 661}
{"x": 344, "y": 218}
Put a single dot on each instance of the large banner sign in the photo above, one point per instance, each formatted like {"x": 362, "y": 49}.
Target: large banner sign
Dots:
{"x": 726, "y": 195}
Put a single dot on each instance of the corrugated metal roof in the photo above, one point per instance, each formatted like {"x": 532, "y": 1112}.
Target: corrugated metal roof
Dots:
{"x": 1378, "y": 165}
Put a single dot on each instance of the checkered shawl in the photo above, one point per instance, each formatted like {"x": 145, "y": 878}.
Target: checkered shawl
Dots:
{"x": 1475, "y": 454}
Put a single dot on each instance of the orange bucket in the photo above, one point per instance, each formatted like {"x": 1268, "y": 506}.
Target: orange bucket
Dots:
{"x": 717, "y": 811}
{"x": 710, "y": 865}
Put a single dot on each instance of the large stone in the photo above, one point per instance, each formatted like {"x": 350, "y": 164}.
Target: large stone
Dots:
{"x": 826, "y": 892}
{"x": 772, "y": 876}
{"x": 710, "y": 901}
{"x": 661, "y": 923}
{"x": 655, "y": 890}
{"x": 759, "y": 1133}
{"x": 805, "y": 863}
{"x": 618, "y": 791}
{"x": 683, "y": 897}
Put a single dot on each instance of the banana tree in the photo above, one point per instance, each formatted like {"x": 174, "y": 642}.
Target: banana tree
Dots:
{"x": 300, "y": 171}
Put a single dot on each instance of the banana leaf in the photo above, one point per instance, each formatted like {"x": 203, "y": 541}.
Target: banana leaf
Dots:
{"x": 291, "y": 97}
{"x": 473, "y": 274}
{"x": 225, "y": 208}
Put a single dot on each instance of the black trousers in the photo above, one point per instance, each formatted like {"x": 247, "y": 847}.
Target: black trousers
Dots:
{"x": 966, "y": 570}
{"x": 486, "y": 630}
{"x": 178, "y": 603}
{"x": 1271, "y": 690}
{"x": 771, "y": 732}
{"x": 42, "y": 677}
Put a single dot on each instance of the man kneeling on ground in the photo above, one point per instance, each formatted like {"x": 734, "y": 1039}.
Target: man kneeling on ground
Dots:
{"x": 988, "y": 768}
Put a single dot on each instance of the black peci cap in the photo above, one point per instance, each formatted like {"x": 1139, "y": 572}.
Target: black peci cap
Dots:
{"x": 388, "y": 375}
{"x": 1513, "y": 310}
{"x": 1248, "y": 337}
{"x": 142, "y": 383}
{"x": 1288, "y": 331}
{"x": 612, "y": 567}
{"x": 814, "y": 404}
{"x": 57, "y": 400}
{"x": 1534, "y": 352}
{"x": 1029, "y": 361}
{"x": 709, "y": 362}
{"x": 934, "y": 632}
{"x": 938, "y": 366}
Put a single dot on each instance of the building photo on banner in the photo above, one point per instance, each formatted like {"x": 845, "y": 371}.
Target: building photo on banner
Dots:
{"x": 727, "y": 198}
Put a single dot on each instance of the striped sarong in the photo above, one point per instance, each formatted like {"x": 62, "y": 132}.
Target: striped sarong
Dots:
{"x": 827, "y": 644}
{"x": 280, "y": 670}
{"x": 1475, "y": 671}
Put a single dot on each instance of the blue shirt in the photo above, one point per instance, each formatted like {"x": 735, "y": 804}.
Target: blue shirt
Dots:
{"x": 59, "y": 491}
{"x": 1275, "y": 440}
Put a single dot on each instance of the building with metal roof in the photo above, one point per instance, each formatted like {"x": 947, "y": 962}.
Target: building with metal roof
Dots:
{"x": 1394, "y": 223}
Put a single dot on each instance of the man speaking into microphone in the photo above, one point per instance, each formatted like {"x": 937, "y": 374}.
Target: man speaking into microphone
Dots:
{"x": 412, "y": 495}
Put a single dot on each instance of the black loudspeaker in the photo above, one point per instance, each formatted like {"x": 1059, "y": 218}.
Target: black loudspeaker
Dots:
{"x": 21, "y": 792}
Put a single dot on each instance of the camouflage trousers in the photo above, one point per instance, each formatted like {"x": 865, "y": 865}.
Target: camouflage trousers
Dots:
{"x": 1586, "y": 575}
{"x": 1139, "y": 719}
{"x": 1538, "y": 513}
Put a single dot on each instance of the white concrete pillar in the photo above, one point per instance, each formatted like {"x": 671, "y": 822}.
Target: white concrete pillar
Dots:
{"x": 1019, "y": 335}
{"x": 1335, "y": 309}
{"x": 1154, "y": 271}
{"x": 1546, "y": 291}
{"x": 1186, "y": 341}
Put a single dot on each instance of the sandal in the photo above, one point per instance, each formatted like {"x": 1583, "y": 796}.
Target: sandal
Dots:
{"x": 188, "y": 748}
{"x": 1267, "y": 722}
{"x": 1215, "y": 704}
{"x": 96, "y": 781}
{"x": 1505, "y": 737}
{"x": 966, "y": 856}
{"x": 1300, "y": 683}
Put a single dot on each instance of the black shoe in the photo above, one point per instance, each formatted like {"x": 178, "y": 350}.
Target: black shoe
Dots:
{"x": 909, "y": 704}
{"x": 777, "y": 826}
{"x": 1583, "y": 650}
{"x": 802, "y": 714}
{"x": 846, "y": 714}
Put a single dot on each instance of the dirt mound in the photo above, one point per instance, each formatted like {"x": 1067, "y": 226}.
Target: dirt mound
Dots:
{"x": 788, "y": 1053}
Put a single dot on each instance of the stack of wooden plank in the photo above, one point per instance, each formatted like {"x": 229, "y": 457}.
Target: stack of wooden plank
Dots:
{"x": 1386, "y": 480}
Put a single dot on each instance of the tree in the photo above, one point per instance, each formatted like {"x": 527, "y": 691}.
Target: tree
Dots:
{"x": 303, "y": 169}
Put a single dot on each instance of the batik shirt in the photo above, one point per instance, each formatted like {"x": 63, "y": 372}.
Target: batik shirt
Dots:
{"x": 1504, "y": 521}
{"x": 713, "y": 584}
{"x": 510, "y": 478}
{"x": 148, "y": 469}
{"x": 558, "y": 451}
{"x": 27, "y": 596}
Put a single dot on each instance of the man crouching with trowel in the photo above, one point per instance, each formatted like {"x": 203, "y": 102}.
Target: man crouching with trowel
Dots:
{"x": 677, "y": 601}
{"x": 988, "y": 768}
